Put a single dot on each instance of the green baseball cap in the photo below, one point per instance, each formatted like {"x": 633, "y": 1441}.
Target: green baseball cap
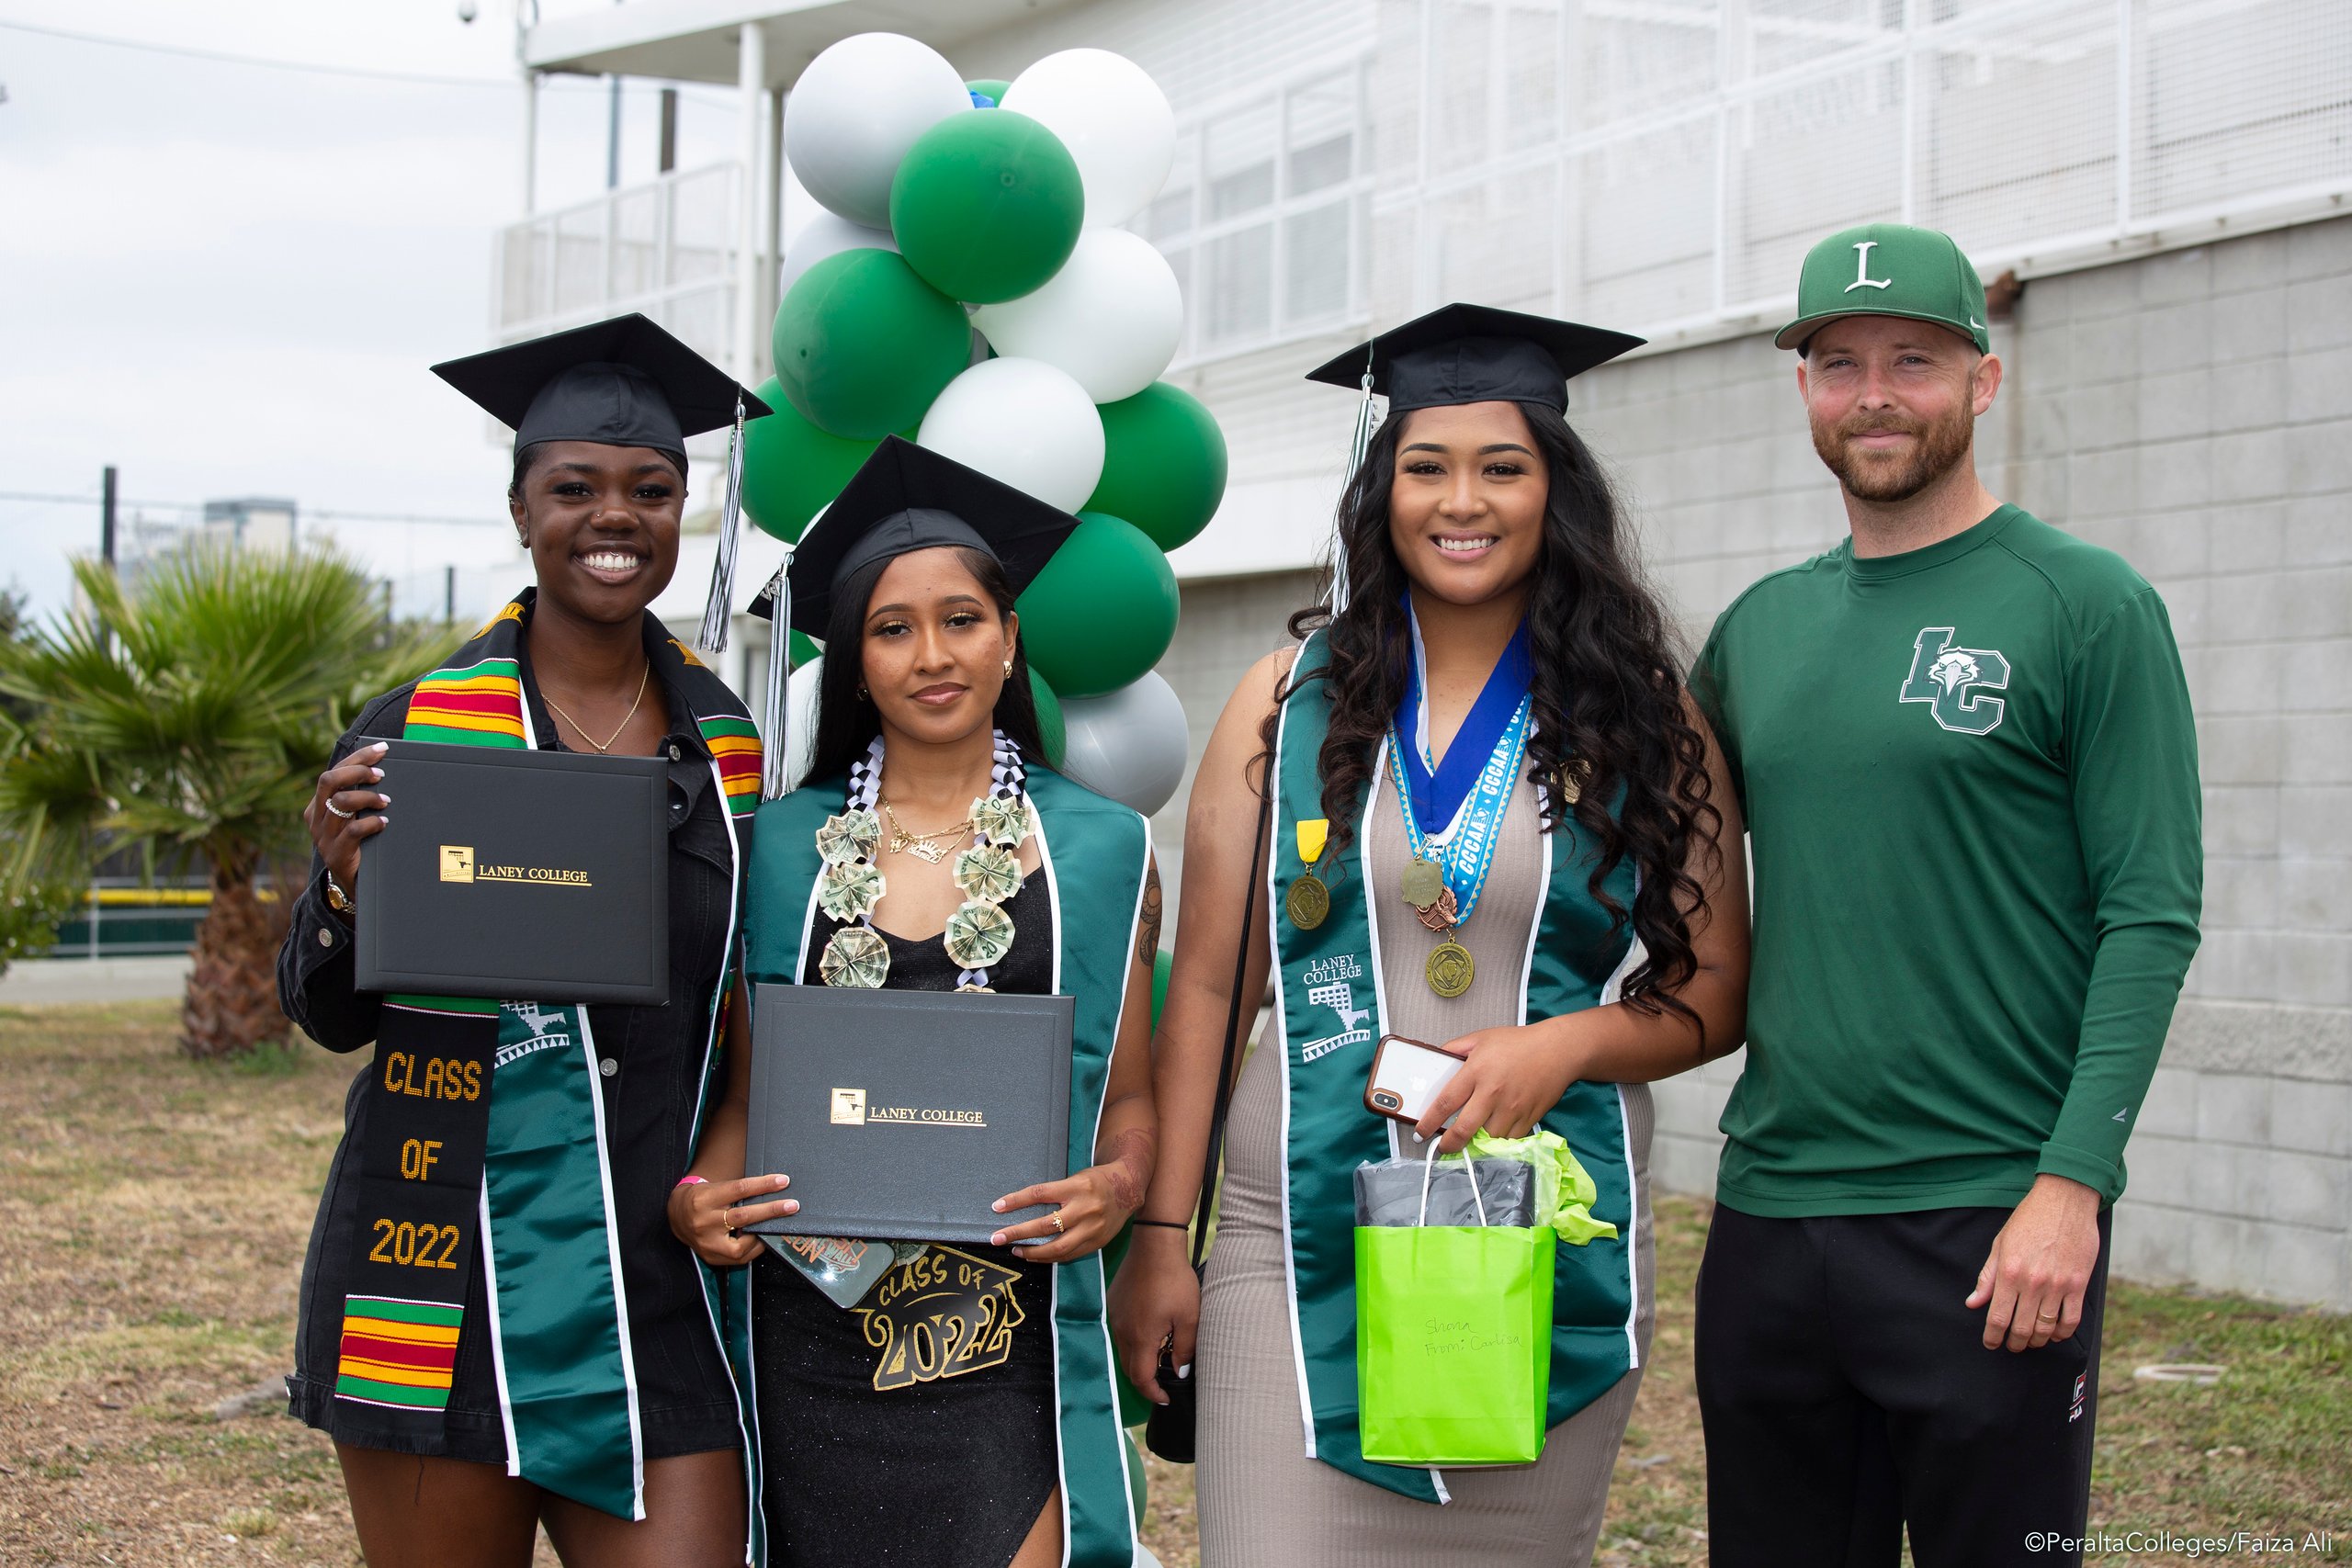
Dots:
{"x": 1889, "y": 269}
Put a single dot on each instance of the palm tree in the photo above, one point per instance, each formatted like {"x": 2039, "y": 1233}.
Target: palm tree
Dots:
{"x": 191, "y": 719}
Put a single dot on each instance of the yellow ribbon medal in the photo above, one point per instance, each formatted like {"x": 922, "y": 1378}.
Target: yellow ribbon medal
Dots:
{"x": 1309, "y": 901}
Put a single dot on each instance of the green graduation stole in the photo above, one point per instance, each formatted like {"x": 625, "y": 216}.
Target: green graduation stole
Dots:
{"x": 486, "y": 1120}
{"x": 1095, "y": 851}
{"x": 1332, "y": 1008}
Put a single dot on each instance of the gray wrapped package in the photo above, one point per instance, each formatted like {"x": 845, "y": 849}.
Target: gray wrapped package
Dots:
{"x": 1388, "y": 1192}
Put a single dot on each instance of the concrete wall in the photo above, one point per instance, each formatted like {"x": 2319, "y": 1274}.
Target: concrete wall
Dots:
{"x": 2192, "y": 410}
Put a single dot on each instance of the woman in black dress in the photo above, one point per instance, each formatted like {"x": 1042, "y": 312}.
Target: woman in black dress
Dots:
{"x": 453, "y": 1451}
{"x": 948, "y": 1405}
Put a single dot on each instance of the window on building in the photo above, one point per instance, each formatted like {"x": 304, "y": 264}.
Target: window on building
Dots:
{"x": 1262, "y": 215}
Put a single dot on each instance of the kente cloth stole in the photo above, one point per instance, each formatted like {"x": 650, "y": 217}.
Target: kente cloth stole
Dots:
{"x": 1094, "y": 853}
{"x": 1332, "y": 1010}
{"x": 485, "y": 1128}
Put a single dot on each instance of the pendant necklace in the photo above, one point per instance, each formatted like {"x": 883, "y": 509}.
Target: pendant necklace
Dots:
{"x": 924, "y": 844}
{"x": 605, "y": 750}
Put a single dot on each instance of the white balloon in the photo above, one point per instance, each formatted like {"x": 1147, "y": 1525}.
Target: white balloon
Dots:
{"x": 1113, "y": 117}
{"x": 1022, "y": 421}
{"x": 800, "y": 720}
{"x": 851, "y": 118}
{"x": 1129, "y": 744}
{"x": 1111, "y": 317}
{"x": 828, "y": 234}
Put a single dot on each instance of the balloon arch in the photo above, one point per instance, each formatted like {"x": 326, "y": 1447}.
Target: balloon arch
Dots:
{"x": 970, "y": 286}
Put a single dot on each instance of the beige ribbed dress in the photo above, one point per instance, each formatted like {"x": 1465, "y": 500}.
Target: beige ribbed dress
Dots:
{"x": 1263, "y": 1504}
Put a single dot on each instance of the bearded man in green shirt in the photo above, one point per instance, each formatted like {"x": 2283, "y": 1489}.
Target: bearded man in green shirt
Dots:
{"x": 1963, "y": 744}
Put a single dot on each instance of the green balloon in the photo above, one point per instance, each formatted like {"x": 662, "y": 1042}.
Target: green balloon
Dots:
{"x": 1102, "y": 611}
{"x": 1164, "y": 464}
{"x": 990, "y": 88}
{"x": 1050, "y": 727}
{"x": 1163, "y": 964}
{"x": 987, "y": 207}
{"x": 792, "y": 469}
{"x": 862, "y": 345}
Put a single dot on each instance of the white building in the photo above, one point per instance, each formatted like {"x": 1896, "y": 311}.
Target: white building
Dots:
{"x": 2166, "y": 179}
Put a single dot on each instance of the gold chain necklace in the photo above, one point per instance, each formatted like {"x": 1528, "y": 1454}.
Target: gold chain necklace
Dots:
{"x": 923, "y": 844}
{"x": 581, "y": 729}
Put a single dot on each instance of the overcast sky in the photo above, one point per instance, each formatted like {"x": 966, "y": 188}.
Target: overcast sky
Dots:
{"x": 228, "y": 280}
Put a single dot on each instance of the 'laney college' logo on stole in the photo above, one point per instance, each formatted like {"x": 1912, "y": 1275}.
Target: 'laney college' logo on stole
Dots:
{"x": 1953, "y": 681}
{"x": 1327, "y": 987}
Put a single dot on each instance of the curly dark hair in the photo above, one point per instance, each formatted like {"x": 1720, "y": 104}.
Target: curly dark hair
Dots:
{"x": 1607, "y": 696}
{"x": 847, "y": 722}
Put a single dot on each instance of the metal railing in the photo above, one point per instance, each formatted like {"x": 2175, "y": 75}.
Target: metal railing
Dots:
{"x": 666, "y": 247}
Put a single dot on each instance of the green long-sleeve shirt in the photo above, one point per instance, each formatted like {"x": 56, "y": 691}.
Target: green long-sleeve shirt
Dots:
{"x": 1970, "y": 775}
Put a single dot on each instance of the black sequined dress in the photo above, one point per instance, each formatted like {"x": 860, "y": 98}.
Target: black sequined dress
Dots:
{"x": 888, "y": 1439}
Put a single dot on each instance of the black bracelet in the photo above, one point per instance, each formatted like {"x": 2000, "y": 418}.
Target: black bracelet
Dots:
{"x": 1164, "y": 1225}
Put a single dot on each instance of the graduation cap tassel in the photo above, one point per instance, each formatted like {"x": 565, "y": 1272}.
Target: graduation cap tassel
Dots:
{"x": 774, "y": 722}
{"x": 1358, "y": 444}
{"x": 718, "y": 608}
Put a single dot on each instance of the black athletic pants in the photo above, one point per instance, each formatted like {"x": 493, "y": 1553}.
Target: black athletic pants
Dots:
{"x": 1846, "y": 1392}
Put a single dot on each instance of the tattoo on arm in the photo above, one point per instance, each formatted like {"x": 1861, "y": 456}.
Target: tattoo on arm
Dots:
{"x": 1147, "y": 925}
{"x": 1129, "y": 1166}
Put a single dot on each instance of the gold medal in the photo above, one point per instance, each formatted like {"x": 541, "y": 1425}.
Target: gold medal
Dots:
{"x": 1309, "y": 902}
{"x": 1450, "y": 968}
{"x": 1423, "y": 882}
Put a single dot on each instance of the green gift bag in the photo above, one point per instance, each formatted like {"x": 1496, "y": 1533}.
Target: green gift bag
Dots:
{"x": 1453, "y": 1341}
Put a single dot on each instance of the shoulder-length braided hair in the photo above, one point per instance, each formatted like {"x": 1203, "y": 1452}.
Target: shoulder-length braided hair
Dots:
{"x": 1607, "y": 698}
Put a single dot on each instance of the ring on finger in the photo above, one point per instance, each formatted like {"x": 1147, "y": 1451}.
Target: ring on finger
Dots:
{"x": 1057, "y": 1217}
{"x": 334, "y": 810}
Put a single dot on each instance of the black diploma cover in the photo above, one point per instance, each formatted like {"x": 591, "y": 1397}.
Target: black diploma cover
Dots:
{"x": 902, "y": 1115}
{"x": 523, "y": 875}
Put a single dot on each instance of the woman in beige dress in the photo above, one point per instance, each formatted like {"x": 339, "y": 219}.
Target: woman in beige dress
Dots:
{"x": 1498, "y": 825}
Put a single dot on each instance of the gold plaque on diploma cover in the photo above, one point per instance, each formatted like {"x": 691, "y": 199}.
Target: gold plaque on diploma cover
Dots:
{"x": 849, "y": 1108}
{"x": 457, "y": 863}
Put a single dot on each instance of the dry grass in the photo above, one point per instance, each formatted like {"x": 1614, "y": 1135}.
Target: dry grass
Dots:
{"x": 154, "y": 1211}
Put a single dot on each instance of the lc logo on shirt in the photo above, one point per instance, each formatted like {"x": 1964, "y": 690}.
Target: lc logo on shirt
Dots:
{"x": 1953, "y": 681}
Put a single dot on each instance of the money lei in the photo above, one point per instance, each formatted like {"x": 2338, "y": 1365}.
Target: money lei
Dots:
{"x": 979, "y": 933}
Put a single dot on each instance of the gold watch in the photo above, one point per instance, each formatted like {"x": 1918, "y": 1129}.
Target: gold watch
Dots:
{"x": 337, "y": 900}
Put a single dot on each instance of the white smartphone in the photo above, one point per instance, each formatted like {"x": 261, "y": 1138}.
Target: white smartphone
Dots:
{"x": 1406, "y": 1076}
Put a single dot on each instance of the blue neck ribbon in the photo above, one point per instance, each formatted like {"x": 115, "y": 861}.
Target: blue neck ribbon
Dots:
{"x": 1435, "y": 794}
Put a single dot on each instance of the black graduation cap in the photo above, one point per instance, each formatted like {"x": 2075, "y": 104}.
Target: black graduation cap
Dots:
{"x": 625, "y": 382}
{"x": 1476, "y": 354}
{"x": 909, "y": 498}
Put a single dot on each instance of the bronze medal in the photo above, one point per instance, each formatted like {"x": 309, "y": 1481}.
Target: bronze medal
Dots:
{"x": 1423, "y": 882}
{"x": 1309, "y": 902}
{"x": 1450, "y": 968}
{"x": 1440, "y": 915}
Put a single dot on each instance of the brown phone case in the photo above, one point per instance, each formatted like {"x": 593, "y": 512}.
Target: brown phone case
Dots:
{"x": 1373, "y": 1095}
